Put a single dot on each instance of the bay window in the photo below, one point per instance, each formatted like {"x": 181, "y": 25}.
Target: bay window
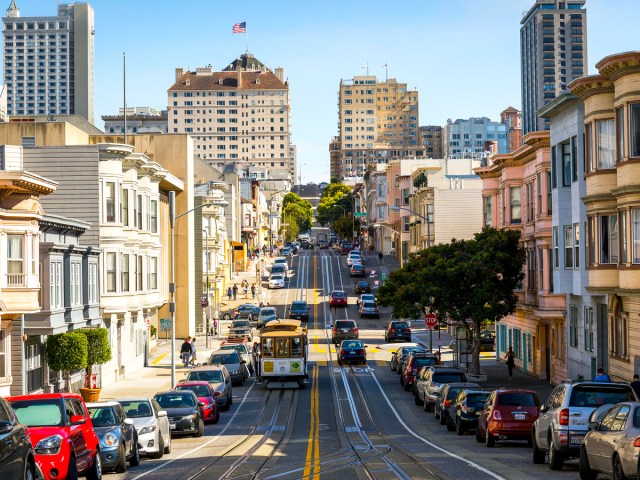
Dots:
{"x": 622, "y": 222}
{"x": 110, "y": 201}
{"x": 15, "y": 258}
{"x": 554, "y": 236}
{"x": 515, "y": 203}
{"x": 487, "y": 214}
{"x": 568, "y": 246}
{"x": 124, "y": 206}
{"x": 124, "y": 272}
{"x": 111, "y": 271}
{"x": 635, "y": 235}
{"x": 576, "y": 245}
{"x": 565, "y": 149}
{"x": 608, "y": 239}
{"x": 620, "y": 134}
{"x": 605, "y": 144}
{"x": 634, "y": 130}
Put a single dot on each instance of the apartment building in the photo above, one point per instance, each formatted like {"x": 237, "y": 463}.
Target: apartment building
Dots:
{"x": 431, "y": 136}
{"x": 512, "y": 118}
{"x": 48, "y": 61}
{"x": 472, "y": 137}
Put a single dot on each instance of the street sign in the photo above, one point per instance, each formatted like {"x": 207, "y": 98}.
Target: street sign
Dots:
{"x": 165, "y": 324}
{"x": 431, "y": 321}
{"x": 360, "y": 214}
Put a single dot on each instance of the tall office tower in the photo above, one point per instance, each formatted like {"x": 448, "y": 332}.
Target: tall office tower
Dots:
{"x": 472, "y": 137}
{"x": 431, "y": 136}
{"x": 237, "y": 115}
{"x": 378, "y": 122}
{"x": 512, "y": 118}
{"x": 553, "y": 53}
{"x": 48, "y": 61}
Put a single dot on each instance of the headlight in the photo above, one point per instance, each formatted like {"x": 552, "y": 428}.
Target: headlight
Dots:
{"x": 209, "y": 405}
{"x": 147, "y": 429}
{"x": 110, "y": 439}
{"x": 49, "y": 445}
{"x": 191, "y": 418}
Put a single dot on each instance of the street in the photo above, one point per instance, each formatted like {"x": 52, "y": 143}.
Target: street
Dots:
{"x": 348, "y": 422}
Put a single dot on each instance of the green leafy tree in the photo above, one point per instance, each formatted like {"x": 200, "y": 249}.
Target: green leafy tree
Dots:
{"x": 344, "y": 226}
{"x": 303, "y": 215}
{"x": 67, "y": 352}
{"x": 335, "y": 202}
{"x": 463, "y": 280}
{"x": 98, "y": 348}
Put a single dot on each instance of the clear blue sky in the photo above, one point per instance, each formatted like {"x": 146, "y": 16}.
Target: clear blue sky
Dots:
{"x": 462, "y": 55}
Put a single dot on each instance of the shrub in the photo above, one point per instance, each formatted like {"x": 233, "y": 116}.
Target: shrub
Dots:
{"x": 67, "y": 352}
{"x": 99, "y": 349}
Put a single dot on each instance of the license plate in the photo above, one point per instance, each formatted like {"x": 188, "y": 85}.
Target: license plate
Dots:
{"x": 520, "y": 416}
{"x": 577, "y": 439}
{"x": 172, "y": 426}
{"x": 345, "y": 330}
{"x": 352, "y": 353}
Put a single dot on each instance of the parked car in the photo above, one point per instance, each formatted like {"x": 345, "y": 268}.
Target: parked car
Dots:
{"x": 338, "y": 298}
{"x": 243, "y": 348}
{"x": 487, "y": 340}
{"x": 397, "y": 330}
{"x": 415, "y": 362}
{"x": 611, "y": 445}
{"x": 206, "y": 395}
{"x": 286, "y": 252}
{"x": 352, "y": 351}
{"x": 429, "y": 387}
{"x": 563, "y": 421}
{"x": 465, "y": 410}
{"x": 396, "y": 356}
{"x": 362, "y": 287}
{"x": 219, "y": 378}
{"x": 357, "y": 270}
{"x": 276, "y": 280}
{"x": 184, "y": 412}
{"x": 508, "y": 415}
{"x": 366, "y": 297}
{"x": 240, "y": 329}
{"x": 299, "y": 310}
{"x": 59, "y": 425}
{"x": 237, "y": 367}
{"x": 344, "y": 330}
{"x": 246, "y": 311}
{"x": 266, "y": 315}
{"x": 16, "y": 453}
{"x": 152, "y": 425}
{"x": 447, "y": 395}
{"x": 117, "y": 435}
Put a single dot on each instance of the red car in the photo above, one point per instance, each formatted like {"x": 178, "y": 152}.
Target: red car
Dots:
{"x": 508, "y": 415}
{"x": 338, "y": 298}
{"x": 205, "y": 393}
{"x": 64, "y": 442}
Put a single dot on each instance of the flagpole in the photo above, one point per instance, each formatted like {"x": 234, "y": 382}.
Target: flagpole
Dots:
{"x": 124, "y": 92}
{"x": 246, "y": 38}
{"x": 386, "y": 73}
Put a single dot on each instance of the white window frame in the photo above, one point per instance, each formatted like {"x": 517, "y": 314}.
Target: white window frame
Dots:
{"x": 75, "y": 283}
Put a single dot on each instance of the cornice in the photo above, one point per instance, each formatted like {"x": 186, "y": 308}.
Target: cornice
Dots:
{"x": 591, "y": 85}
{"x": 619, "y": 65}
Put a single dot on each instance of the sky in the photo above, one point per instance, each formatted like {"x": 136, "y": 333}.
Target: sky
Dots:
{"x": 463, "y": 56}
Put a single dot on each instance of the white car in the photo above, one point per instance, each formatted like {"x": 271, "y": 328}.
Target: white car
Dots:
{"x": 353, "y": 258}
{"x": 276, "y": 281}
{"x": 151, "y": 424}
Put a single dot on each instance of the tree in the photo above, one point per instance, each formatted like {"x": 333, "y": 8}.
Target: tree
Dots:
{"x": 98, "y": 349}
{"x": 67, "y": 352}
{"x": 463, "y": 280}
{"x": 344, "y": 226}
{"x": 335, "y": 202}
{"x": 302, "y": 217}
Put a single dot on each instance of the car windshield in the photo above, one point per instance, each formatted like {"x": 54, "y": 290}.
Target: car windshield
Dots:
{"x": 176, "y": 400}
{"x": 224, "y": 358}
{"x": 597, "y": 395}
{"x": 345, "y": 324}
{"x": 518, "y": 400}
{"x": 280, "y": 260}
{"x": 267, "y": 312}
{"x": 199, "y": 390}
{"x": 369, "y": 305}
{"x": 352, "y": 344}
{"x": 38, "y": 413}
{"x": 449, "y": 377}
{"x": 277, "y": 268}
{"x": 210, "y": 376}
{"x": 136, "y": 409}
{"x": 399, "y": 325}
{"x": 476, "y": 400}
{"x": 424, "y": 362}
{"x": 338, "y": 294}
{"x": 363, "y": 284}
{"x": 277, "y": 277}
{"x": 241, "y": 349}
{"x": 453, "y": 392}
{"x": 240, "y": 324}
{"x": 298, "y": 306}
{"x": 102, "y": 416}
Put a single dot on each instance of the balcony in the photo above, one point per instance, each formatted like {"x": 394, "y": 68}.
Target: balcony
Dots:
{"x": 16, "y": 280}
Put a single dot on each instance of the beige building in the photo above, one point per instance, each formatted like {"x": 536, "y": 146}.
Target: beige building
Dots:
{"x": 240, "y": 114}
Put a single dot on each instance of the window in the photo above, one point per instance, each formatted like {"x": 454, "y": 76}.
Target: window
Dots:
{"x": 574, "y": 159}
{"x": 588, "y": 152}
{"x": 514, "y": 196}
{"x": 487, "y": 211}
{"x": 588, "y": 329}
{"x": 33, "y": 353}
{"x": 635, "y": 235}
{"x": 573, "y": 325}
{"x": 539, "y": 193}
{"x": 576, "y": 245}
{"x": 622, "y": 222}
{"x": 153, "y": 273}
{"x": 634, "y": 130}
{"x": 15, "y": 259}
{"x": 93, "y": 284}
{"x": 153, "y": 227}
{"x": 549, "y": 201}
{"x": 110, "y": 204}
{"x": 139, "y": 286}
{"x": 619, "y": 332}
{"x": 565, "y": 149}
{"x": 591, "y": 240}
{"x": 124, "y": 272}
{"x": 405, "y": 196}
{"x": 111, "y": 271}
{"x": 556, "y": 261}
{"x": 75, "y": 284}
{"x": 568, "y": 246}
{"x": 609, "y": 239}
{"x": 55, "y": 285}
{"x": 124, "y": 207}
{"x": 620, "y": 134}
{"x": 605, "y": 144}
{"x": 139, "y": 213}
{"x": 530, "y": 203}
{"x": 3, "y": 353}
{"x": 554, "y": 168}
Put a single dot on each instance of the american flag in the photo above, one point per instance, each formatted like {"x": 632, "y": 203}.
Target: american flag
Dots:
{"x": 240, "y": 27}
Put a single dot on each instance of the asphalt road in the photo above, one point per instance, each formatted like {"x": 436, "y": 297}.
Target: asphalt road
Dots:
{"x": 348, "y": 422}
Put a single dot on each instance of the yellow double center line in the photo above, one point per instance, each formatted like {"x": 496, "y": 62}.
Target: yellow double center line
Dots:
{"x": 312, "y": 462}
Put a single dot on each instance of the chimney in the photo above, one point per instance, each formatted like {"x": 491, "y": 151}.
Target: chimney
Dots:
{"x": 280, "y": 74}
{"x": 239, "y": 72}
{"x": 179, "y": 73}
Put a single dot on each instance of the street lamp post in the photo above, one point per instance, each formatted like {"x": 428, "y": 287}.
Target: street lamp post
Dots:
{"x": 426, "y": 219}
{"x": 375, "y": 225}
{"x": 271, "y": 220}
{"x": 206, "y": 306}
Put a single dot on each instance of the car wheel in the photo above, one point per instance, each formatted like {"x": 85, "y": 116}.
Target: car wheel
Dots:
{"x": 556, "y": 458}
{"x": 406, "y": 386}
{"x": 450, "y": 425}
{"x": 538, "y": 455}
{"x": 436, "y": 412}
{"x": 618, "y": 473}
{"x": 29, "y": 471}
{"x": 425, "y": 405}
{"x": 226, "y": 316}
{"x": 122, "y": 460}
{"x": 490, "y": 442}
{"x": 416, "y": 398}
{"x": 479, "y": 438}
{"x": 96, "y": 469}
{"x": 584, "y": 468}
{"x": 217, "y": 417}
{"x": 161, "y": 448}
{"x": 200, "y": 431}
{"x": 459, "y": 427}
{"x": 72, "y": 471}
{"x": 443, "y": 417}
{"x": 135, "y": 456}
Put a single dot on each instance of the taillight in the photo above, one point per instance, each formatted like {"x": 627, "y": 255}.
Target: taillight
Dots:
{"x": 408, "y": 330}
{"x": 467, "y": 409}
{"x": 564, "y": 416}
{"x": 360, "y": 352}
{"x": 355, "y": 330}
{"x": 216, "y": 394}
{"x": 391, "y": 330}
{"x": 636, "y": 442}
{"x": 341, "y": 352}
{"x": 447, "y": 403}
{"x": 497, "y": 415}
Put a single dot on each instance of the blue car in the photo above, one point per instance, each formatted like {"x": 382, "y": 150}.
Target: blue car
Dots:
{"x": 352, "y": 351}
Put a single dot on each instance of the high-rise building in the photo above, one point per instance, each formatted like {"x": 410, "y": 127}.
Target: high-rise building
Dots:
{"x": 239, "y": 114}
{"x": 512, "y": 118}
{"x": 378, "y": 122}
{"x": 431, "y": 136}
{"x": 553, "y": 53}
{"x": 48, "y": 61}
{"x": 472, "y": 137}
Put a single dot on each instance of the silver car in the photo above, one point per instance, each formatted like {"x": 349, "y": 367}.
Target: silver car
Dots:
{"x": 151, "y": 424}
{"x": 237, "y": 367}
{"x": 244, "y": 350}
{"x": 610, "y": 446}
{"x": 219, "y": 378}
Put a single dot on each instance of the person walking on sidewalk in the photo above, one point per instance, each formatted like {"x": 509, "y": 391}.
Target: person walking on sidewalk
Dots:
{"x": 229, "y": 293}
{"x": 235, "y": 291}
{"x": 193, "y": 351}
{"x": 380, "y": 256}
{"x": 510, "y": 361}
{"x": 253, "y": 290}
{"x": 185, "y": 351}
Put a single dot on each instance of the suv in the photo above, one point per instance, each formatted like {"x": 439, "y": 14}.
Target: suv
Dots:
{"x": 60, "y": 426}
{"x": 563, "y": 420}
{"x": 299, "y": 310}
{"x": 431, "y": 382}
{"x": 397, "y": 330}
{"x": 278, "y": 268}
{"x": 415, "y": 361}
{"x": 362, "y": 287}
{"x": 344, "y": 330}
{"x": 240, "y": 329}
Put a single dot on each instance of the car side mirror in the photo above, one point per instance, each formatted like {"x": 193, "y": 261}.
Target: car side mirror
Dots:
{"x": 162, "y": 413}
{"x": 128, "y": 421}
{"x": 5, "y": 427}
{"x": 594, "y": 426}
{"x": 543, "y": 408}
{"x": 243, "y": 361}
{"x": 77, "y": 419}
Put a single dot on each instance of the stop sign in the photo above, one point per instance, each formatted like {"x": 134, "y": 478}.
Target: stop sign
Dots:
{"x": 431, "y": 320}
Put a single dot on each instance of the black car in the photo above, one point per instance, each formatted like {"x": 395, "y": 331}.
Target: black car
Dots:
{"x": 487, "y": 340}
{"x": 16, "y": 453}
{"x": 357, "y": 270}
{"x": 184, "y": 412}
{"x": 465, "y": 410}
{"x": 362, "y": 287}
{"x": 299, "y": 310}
{"x": 397, "y": 330}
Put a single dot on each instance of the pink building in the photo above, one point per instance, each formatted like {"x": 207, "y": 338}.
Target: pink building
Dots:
{"x": 399, "y": 189}
{"x": 516, "y": 189}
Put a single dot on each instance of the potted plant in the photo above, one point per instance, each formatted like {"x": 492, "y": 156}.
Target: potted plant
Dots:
{"x": 67, "y": 352}
{"x": 98, "y": 352}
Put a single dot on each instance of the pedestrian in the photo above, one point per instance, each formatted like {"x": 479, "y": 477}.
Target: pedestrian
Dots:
{"x": 185, "y": 351}
{"x": 256, "y": 359}
{"x": 380, "y": 256}
{"x": 635, "y": 384}
{"x": 193, "y": 351}
{"x": 253, "y": 290}
{"x": 235, "y": 290}
{"x": 601, "y": 376}
{"x": 510, "y": 361}
{"x": 229, "y": 293}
